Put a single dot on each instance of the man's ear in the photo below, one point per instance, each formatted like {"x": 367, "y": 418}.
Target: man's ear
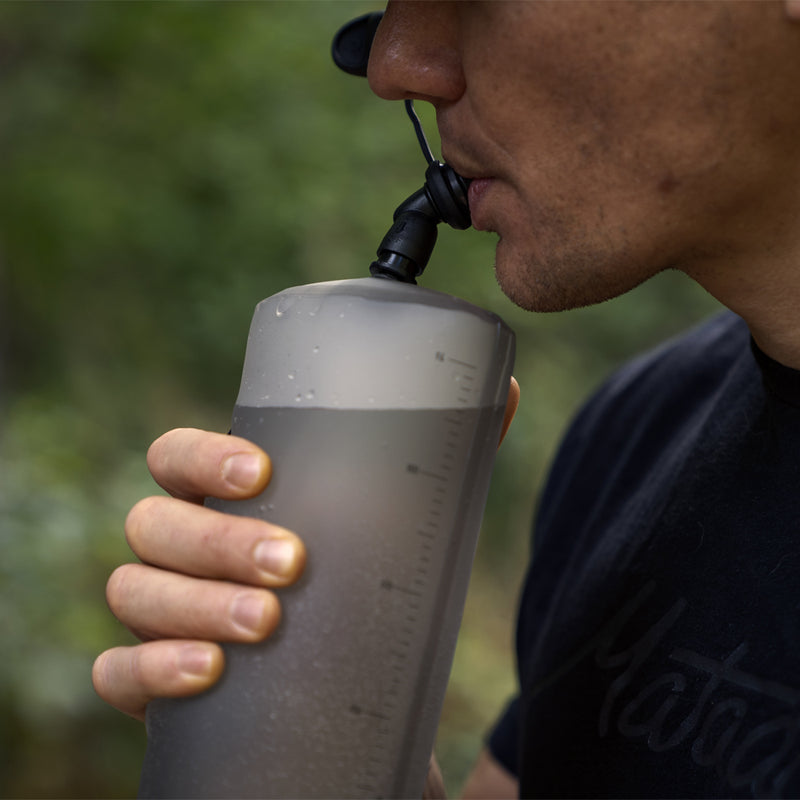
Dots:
{"x": 792, "y": 9}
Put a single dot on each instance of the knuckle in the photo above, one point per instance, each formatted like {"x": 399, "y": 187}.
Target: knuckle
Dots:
{"x": 229, "y": 538}
{"x": 138, "y": 670}
{"x": 167, "y": 454}
{"x": 153, "y": 456}
{"x": 211, "y": 544}
{"x": 114, "y": 584}
{"x": 118, "y": 588}
{"x": 223, "y": 532}
{"x": 113, "y": 683}
{"x": 137, "y": 519}
{"x": 100, "y": 675}
{"x": 156, "y": 450}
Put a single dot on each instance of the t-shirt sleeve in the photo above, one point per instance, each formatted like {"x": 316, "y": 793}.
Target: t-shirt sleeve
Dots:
{"x": 503, "y": 739}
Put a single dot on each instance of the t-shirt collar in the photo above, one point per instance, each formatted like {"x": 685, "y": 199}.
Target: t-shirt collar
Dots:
{"x": 781, "y": 381}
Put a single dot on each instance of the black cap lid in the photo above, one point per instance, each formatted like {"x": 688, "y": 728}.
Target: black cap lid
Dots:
{"x": 352, "y": 42}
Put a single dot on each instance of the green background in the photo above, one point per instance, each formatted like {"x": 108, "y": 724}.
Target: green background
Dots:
{"x": 164, "y": 166}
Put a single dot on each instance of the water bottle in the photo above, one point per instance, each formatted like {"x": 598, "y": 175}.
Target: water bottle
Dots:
{"x": 381, "y": 405}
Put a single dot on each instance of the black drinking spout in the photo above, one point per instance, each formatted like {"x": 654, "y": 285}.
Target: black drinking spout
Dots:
{"x": 405, "y": 249}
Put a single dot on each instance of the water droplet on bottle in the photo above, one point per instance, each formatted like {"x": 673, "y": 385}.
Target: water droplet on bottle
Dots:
{"x": 298, "y": 397}
{"x": 291, "y": 376}
{"x": 310, "y": 394}
{"x": 315, "y": 349}
{"x": 284, "y": 304}
{"x": 312, "y": 305}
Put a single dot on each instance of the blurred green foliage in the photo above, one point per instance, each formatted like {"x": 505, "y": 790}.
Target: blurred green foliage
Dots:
{"x": 164, "y": 166}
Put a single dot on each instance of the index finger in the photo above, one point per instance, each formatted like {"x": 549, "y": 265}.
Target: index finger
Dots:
{"x": 192, "y": 464}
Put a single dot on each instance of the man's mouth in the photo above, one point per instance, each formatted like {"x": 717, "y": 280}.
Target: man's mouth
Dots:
{"x": 480, "y": 183}
{"x": 478, "y": 189}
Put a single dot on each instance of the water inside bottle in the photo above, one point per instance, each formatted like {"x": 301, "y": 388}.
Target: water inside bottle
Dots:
{"x": 359, "y": 664}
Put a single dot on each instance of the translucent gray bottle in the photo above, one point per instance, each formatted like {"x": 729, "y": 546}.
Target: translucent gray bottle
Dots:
{"x": 380, "y": 404}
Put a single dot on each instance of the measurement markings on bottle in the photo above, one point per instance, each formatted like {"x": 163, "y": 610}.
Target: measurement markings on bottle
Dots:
{"x": 357, "y": 710}
{"x": 389, "y": 585}
{"x": 415, "y": 594}
{"x": 461, "y": 363}
{"x": 415, "y": 469}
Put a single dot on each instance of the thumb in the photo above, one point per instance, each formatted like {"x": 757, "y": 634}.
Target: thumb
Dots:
{"x": 511, "y": 408}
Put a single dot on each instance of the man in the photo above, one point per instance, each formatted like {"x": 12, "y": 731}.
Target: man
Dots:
{"x": 658, "y": 638}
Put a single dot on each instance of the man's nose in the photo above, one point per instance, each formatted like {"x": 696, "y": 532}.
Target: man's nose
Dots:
{"x": 415, "y": 54}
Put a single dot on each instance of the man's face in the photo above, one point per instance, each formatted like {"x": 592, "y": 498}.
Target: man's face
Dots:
{"x": 608, "y": 140}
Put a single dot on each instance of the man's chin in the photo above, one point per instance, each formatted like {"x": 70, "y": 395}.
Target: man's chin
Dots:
{"x": 541, "y": 300}
{"x": 533, "y": 287}
{"x": 562, "y": 285}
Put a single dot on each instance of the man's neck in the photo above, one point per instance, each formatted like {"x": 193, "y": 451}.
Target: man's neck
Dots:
{"x": 767, "y": 296}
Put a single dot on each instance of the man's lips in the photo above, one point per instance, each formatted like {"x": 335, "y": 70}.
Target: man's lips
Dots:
{"x": 476, "y": 195}
{"x": 473, "y": 169}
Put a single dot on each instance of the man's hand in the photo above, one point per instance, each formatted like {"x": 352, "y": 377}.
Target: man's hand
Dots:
{"x": 205, "y": 576}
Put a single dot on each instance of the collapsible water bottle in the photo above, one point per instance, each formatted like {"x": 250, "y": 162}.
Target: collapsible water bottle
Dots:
{"x": 381, "y": 405}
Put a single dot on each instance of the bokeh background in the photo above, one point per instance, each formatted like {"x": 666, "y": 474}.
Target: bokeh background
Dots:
{"x": 164, "y": 166}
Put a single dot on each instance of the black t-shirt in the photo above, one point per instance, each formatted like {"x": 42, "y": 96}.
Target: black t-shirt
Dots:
{"x": 658, "y": 639}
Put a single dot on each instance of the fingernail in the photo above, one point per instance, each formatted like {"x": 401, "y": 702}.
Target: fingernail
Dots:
{"x": 247, "y": 611}
{"x": 276, "y": 556}
{"x": 241, "y": 469}
{"x": 195, "y": 660}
